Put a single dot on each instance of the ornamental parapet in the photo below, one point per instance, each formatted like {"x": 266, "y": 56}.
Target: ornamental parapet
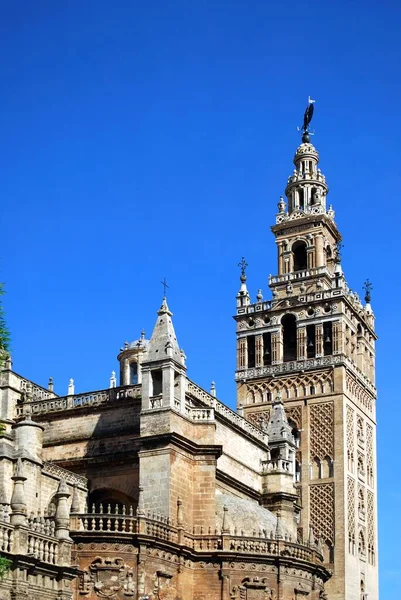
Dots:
{"x": 36, "y": 539}
{"x": 155, "y": 528}
{"x": 77, "y": 401}
{"x": 224, "y": 412}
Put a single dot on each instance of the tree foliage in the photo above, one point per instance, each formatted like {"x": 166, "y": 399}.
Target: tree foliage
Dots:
{"x": 4, "y": 332}
{"x": 5, "y": 564}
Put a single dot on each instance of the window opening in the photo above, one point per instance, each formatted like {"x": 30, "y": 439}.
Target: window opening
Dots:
{"x": 300, "y": 256}
{"x": 251, "y": 351}
{"x": 289, "y": 337}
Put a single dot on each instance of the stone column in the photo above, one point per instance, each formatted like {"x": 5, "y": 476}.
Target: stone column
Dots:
{"x": 242, "y": 353}
{"x": 319, "y": 340}
{"x": 320, "y": 257}
{"x": 18, "y": 503}
{"x": 62, "y": 517}
{"x": 277, "y": 347}
{"x": 337, "y": 338}
{"x": 259, "y": 350}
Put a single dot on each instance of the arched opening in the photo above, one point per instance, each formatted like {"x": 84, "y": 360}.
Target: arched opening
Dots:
{"x": 301, "y": 198}
{"x": 295, "y": 432}
{"x": 289, "y": 325}
{"x": 299, "y": 256}
{"x": 316, "y": 468}
{"x": 361, "y": 504}
{"x": 133, "y": 373}
{"x": 361, "y": 544}
{"x": 327, "y": 467}
{"x": 251, "y": 351}
{"x": 311, "y": 341}
{"x": 157, "y": 382}
{"x": 328, "y": 338}
{"x": 267, "y": 349}
{"x": 328, "y": 552}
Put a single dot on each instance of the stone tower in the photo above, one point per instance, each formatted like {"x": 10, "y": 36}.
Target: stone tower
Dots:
{"x": 313, "y": 344}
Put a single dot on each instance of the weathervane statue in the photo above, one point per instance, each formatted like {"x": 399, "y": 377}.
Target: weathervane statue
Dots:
{"x": 307, "y": 119}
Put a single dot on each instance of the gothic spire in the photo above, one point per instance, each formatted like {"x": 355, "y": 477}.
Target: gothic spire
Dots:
{"x": 163, "y": 343}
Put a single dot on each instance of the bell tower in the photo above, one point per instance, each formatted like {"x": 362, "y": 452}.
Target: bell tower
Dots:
{"x": 313, "y": 344}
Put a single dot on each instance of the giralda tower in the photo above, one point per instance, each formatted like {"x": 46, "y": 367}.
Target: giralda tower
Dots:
{"x": 314, "y": 345}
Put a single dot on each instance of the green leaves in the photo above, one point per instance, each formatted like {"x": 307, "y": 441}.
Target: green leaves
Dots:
{"x": 4, "y": 332}
{"x": 5, "y": 564}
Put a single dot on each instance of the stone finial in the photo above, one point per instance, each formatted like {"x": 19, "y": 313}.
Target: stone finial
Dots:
{"x": 140, "y": 511}
{"x": 71, "y": 388}
{"x": 18, "y": 502}
{"x": 213, "y": 389}
{"x": 50, "y": 385}
{"x": 259, "y": 296}
{"x": 279, "y": 528}
{"x": 75, "y": 501}
{"x": 311, "y": 538}
{"x": 8, "y": 363}
{"x": 180, "y": 515}
{"x": 113, "y": 380}
{"x": 281, "y": 205}
{"x": 224, "y": 526}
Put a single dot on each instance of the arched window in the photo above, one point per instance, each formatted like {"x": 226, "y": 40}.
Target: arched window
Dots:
{"x": 311, "y": 341}
{"x": 328, "y": 552}
{"x": 267, "y": 349}
{"x": 361, "y": 544}
{"x": 133, "y": 373}
{"x": 361, "y": 504}
{"x": 316, "y": 469}
{"x": 289, "y": 337}
{"x": 301, "y": 196}
{"x": 299, "y": 256}
{"x": 327, "y": 467}
{"x": 328, "y": 338}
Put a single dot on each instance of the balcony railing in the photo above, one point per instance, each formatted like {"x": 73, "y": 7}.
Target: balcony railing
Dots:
{"x": 78, "y": 401}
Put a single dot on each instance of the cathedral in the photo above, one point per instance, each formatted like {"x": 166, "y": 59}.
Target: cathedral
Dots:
{"x": 153, "y": 489}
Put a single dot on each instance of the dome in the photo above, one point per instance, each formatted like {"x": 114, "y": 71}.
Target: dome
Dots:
{"x": 306, "y": 149}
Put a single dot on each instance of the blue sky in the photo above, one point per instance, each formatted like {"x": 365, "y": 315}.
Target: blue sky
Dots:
{"x": 143, "y": 140}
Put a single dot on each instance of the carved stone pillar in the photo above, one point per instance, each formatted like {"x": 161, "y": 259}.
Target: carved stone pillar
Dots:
{"x": 277, "y": 347}
{"x": 242, "y": 356}
{"x": 319, "y": 340}
{"x": 301, "y": 343}
{"x": 337, "y": 338}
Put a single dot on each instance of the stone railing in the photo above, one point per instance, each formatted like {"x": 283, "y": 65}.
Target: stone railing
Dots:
{"x": 82, "y": 400}
{"x": 107, "y": 523}
{"x": 35, "y": 538}
{"x": 299, "y": 275}
{"x": 221, "y": 410}
{"x": 69, "y": 477}
{"x": 160, "y": 528}
{"x": 6, "y": 537}
{"x": 278, "y": 464}
{"x": 290, "y": 366}
{"x": 200, "y": 414}
{"x": 30, "y": 390}
{"x": 42, "y": 548}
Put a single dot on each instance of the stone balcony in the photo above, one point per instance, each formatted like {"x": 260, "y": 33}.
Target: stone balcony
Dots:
{"x": 78, "y": 401}
{"x": 108, "y": 526}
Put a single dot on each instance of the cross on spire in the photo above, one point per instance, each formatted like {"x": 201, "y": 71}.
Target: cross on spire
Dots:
{"x": 165, "y": 286}
{"x": 368, "y": 287}
{"x": 243, "y": 265}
